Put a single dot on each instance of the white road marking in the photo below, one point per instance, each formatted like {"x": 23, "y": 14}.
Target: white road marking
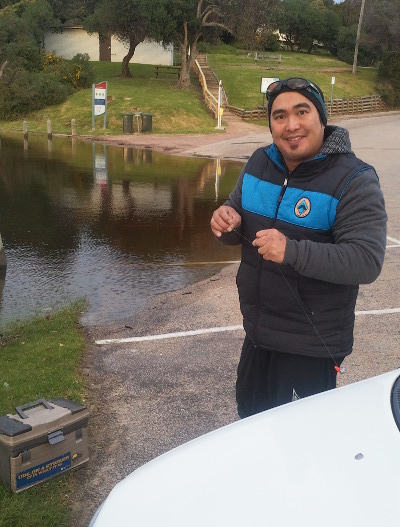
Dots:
{"x": 177, "y": 334}
{"x": 379, "y": 311}
{"x": 206, "y": 331}
{"x": 397, "y": 242}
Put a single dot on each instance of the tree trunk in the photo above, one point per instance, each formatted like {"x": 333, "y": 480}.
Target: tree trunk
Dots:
{"x": 184, "y": 77}
{"x": 187, "y": 62}
{"x": 133, "y": 42}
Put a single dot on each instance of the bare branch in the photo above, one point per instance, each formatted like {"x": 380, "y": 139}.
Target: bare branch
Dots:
{"x": 3, "y": 67}
{"x": 209, "y": 11}
{"x": 209, "y": 14}
{"x": 218, "y": 24}
{"x": 199, "y": 7}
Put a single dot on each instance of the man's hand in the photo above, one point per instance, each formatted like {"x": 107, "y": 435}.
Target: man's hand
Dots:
{"x": 271, "y": 245}
{"x": 224, "y": 219}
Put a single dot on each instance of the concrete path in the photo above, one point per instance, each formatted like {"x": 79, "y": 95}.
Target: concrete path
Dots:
{"x": 148, "y": 395}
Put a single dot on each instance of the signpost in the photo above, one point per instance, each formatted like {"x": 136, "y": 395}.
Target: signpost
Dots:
{"x": 99, "y": 102}
{"x": 332, "y": 83}
{"x": 265, "y": 82}
{"x": 220, "y": 110}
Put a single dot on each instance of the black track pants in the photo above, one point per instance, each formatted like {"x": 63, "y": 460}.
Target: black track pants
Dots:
{"x": 267, "y": 379}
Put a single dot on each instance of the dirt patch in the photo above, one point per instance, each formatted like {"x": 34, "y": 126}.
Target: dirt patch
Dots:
{"x": 190, "y": 144}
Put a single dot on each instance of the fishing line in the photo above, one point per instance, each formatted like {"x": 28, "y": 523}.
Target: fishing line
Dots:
{"x": 339, "y": 369}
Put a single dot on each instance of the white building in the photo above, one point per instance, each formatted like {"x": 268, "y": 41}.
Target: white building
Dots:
{"x": 75, "y": 40}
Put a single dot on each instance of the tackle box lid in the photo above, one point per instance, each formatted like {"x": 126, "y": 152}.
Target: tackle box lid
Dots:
{"x": 37, "y": 419}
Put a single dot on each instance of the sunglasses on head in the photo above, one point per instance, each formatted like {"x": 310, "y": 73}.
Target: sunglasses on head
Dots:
{"x": 293, "y": 84}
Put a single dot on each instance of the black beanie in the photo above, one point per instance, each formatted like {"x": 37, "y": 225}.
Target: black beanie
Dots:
{"x": 310, "y": 93}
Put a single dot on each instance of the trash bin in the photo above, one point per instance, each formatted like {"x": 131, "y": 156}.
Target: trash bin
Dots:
{"x": 127, "y": 123}
{"x": 147, "y": 122}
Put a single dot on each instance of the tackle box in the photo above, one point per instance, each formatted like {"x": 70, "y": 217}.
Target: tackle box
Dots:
{"x": 43, "y": 439}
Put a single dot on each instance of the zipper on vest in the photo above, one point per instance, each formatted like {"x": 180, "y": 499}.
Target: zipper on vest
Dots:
{"x": 280, "y": 197}
{"x": 259, "y": 270}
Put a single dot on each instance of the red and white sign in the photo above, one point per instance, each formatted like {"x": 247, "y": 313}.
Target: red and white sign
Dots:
{"x": 100, "y": 96}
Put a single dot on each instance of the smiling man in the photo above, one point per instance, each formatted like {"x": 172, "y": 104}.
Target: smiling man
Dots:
{"x": 311, "y": 219}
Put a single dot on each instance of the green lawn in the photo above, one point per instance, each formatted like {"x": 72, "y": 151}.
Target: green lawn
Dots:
{"x": 40, "y": 358}
{"x": 241, "y": 75}
{"x": 173, "y": 110}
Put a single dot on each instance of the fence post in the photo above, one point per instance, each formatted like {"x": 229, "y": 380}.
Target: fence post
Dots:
{"x": 49, "y": 132}
{"x": 73, "y": 127}
{"x": 25, "y": 129}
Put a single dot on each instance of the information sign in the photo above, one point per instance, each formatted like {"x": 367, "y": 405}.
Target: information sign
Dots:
{"x": 99, "y": 101}
{"x": 265, "y": 82}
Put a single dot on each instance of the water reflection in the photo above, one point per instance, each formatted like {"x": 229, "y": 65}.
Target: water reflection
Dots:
{"x": 113, "y": 224}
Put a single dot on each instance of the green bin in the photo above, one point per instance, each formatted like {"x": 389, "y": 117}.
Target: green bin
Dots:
{"x": 147, "y": 122}
{"x": 127, "y": 123}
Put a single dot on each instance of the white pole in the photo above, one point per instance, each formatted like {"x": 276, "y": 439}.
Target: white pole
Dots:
{"x": 219, "y": 127}
{"x": 105, "y": 109}
{"x": 93, "y": 128}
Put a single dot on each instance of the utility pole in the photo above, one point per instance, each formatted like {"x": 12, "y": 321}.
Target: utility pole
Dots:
{"x": 358, "y": 37}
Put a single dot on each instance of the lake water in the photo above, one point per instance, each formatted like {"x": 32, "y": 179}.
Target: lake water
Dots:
{"x": 114, "y": 225}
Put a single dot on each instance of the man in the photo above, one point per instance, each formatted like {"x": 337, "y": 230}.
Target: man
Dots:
{"x": 312, "y": 223}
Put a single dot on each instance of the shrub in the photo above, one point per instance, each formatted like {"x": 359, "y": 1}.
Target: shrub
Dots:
{"x": 345, "y": 47}
{"x": 22, "y": 92}
{"x": 389, "y": 74}
{"x": 271, "y": 43}
{"x": 77, "y": 72}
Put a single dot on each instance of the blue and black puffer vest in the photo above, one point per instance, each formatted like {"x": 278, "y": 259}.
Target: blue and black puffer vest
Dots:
{"x": 283, "y": 310}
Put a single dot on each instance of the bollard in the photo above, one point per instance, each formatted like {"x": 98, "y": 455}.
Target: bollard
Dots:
{"x": 73, "y": 127}
{"x": 49, "y": 132}
{"x": 25, "y": 129}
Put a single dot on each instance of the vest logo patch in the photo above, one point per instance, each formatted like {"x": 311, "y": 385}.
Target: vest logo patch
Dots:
{"x": 302, "y": 208}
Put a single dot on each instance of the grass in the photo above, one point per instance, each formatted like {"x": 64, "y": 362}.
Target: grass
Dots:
{"x": 181, "y": 111}
{"x": 173, "y": 110}
{"x": 40, "y": 358}
{"x": 241, "y": 75}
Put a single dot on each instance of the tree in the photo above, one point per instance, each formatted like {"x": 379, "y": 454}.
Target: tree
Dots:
{"x": 389, "y": 73}
{"x": 180, "y": 22}
{"x": 253, "y": 22}
{"x": 380, "y": 28}
{"x": 130, "y": 21}
{"x": 303, "y": 22}
{"x": 185, "y": 24}
{"x": 21, "y": 33}
{"x": 73, "y": 11}
{"x": 24, "y": 83}
{"x": 379, "y": 33}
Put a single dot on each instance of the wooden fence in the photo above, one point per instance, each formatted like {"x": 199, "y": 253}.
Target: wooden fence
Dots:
{"x": 371, "y": 103}
{"x": 209, "y": 99}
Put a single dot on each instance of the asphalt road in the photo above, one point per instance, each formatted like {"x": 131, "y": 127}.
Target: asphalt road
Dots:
{"x": 146, "y": 397}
